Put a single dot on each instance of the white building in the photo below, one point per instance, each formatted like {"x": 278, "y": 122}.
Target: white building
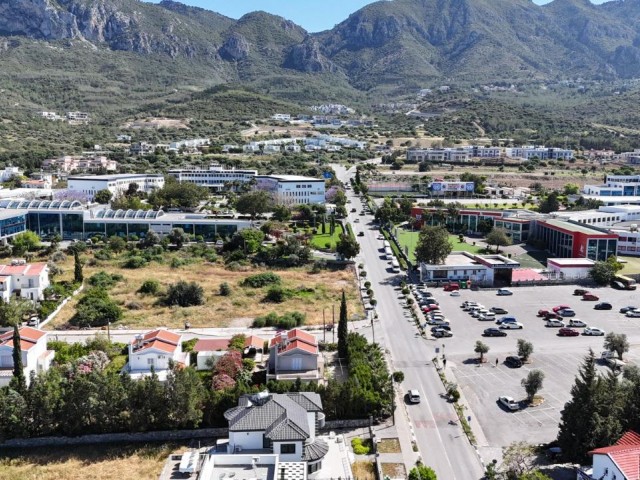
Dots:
{"x": 8, "y": 173}
{"x": 281, "y": 117}
{"x": 78, "y": 117}
{"x": 464, "y": 266}
{"x": 35, "y": 356}
{"x": 80, "y": 163}
{"x": 155, "y": 350}
{"x": 293, "y": 189}
{"x": 570, "y": 267}
{"x": 215, "y": 178}
{"x": 615, "y": 186}
{"x": 541, "y": 153}
{"x": 116, "y": 184}
{"x": 271, "y": 149}
{"x": 281, "y": 424}
{"x": 190, "y": 144}
{"x": 26, "y": 280}
{"x": 617, "y": 462}
{"x": 209, "y": 350}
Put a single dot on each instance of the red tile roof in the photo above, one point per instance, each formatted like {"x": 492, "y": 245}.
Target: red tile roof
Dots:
{"x": 255, "y": 342}
{"x": 625, "y": 454}
{"x": 160, "y": 339}
{"x": 295, "y": 334}
{"x": 211, "y": 344}
{"x": 297, "y": 344}
{"x": 28, "y": 337}
{"x": 29, "y": 269}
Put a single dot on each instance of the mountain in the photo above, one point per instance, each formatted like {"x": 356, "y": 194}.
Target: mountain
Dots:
{"x": 386, "y": 48}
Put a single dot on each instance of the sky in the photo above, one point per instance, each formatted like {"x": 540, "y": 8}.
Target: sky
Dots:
{"x": 312, "y": 15}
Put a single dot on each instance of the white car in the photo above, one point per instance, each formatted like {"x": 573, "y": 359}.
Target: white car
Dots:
{"x": 511, "y": 326}
{"x": 438, "y": 321}
{"x": 455, "y": 293}
{"x": 554, "y": 323}
{"x": 380, "y": 237}
{"x": 574, "y": 322}
{"x": 593, "y": 331}
{"x": 477, "y": 313}
{"x": 487, "y": 317}
{"x": 504, "y": 291}
{"x": 633, "y": 314}
{"x": 509, "y": 403}
{"x": 467, "y": 305}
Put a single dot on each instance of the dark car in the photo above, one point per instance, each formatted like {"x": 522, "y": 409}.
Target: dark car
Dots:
{"x": 603, "y": 306}
{"x": 353, "y": 210}
{"x": 441, "y": 333}
{"x": 494, "y": 332}
{"x": 361, "y": 234}
{"x": 513, "y": 362}
{"x": 499, "y": 310}
{"x": 440, "y": 327}
{"x": 627, "y": 309}
{"x": 568, "y": 332}
{"x": 552, "y": 316}
{"x": 580, "y": 291}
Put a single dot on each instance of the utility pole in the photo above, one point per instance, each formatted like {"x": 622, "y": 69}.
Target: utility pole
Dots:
{"x": 324, "y": 328}
{"x": 333, "y": 330}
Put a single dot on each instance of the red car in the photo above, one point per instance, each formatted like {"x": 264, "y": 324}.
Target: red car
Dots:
{"x": 430, "y": 308}
{"x": 543, "y": 312}
{"x": 551, "y": 316}
{"x": 568, "y": 332}
{"x": 590, "y": 297}
{"x": 560, "y": 307}
{"x": 451, "y": 287}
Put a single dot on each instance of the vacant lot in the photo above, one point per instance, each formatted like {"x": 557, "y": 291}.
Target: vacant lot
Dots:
{"x": 142, "y": 462}
{"x": 309, "y": 294}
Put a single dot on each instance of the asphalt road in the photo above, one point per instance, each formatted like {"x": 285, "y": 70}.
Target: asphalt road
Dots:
{"x": 443, "y": 446}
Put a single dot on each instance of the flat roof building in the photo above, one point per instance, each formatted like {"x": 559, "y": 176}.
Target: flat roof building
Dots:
{"x": 293, "y": 189}
{"x": 116, "y": 184}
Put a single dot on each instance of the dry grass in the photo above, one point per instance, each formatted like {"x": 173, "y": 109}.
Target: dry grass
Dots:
{"x": 363, "y": 470}
{"x": 235, "y": 310}
{"x": 142, "y": 462}
{"x": 389, "y": 445}
{"x": 394, "y": 470}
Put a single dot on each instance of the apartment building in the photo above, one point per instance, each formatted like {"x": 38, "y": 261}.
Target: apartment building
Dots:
{"x": 69, "y": 164}
{"x": 216, "y": 177}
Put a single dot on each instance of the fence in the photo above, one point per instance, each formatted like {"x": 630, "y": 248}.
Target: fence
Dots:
{"x": 61, "y": 306}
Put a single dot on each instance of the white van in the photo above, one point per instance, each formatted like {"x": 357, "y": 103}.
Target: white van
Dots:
{"x": 414, "y": 396}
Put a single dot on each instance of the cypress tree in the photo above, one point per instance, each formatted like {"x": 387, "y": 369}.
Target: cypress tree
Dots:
{"x": 18, "y": 382}
{"x": 78, "y": 276}
{"x": 343, "y": 329}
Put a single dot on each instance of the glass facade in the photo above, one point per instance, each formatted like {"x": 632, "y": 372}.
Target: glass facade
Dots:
{"x": 601, "y": 248}
{"x": 72, "y": 225}
{"x": 558, "y": 243}
{"x": 13, "y": 225}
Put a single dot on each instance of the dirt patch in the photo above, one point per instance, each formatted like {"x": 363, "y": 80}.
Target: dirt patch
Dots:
{"x": 310, "y": 294}
{"x": 389, "y": 445}
{"x": 156, "y": 123}
{"x": 363, "y": 470}
{"x": 394, "y": 470}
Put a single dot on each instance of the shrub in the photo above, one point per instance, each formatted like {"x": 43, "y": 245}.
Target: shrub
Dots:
{"x": 360, "y": 447}
{"x": 277, "y": 294}
{"x": 58, "y": 256}
{"x": 96, "y": 309}
{"x": 287, "y": 321}
{"x": 261, "y": 280}
{"x": 135, "y": 262}
{"x": 225, "y": 289}
{"x": 103, "y": 254}
{"x": 149, "y": 287}
{"x": 134, "y": 305}
{"x": 103, "y": 279}
{"x": 184, "y": 294}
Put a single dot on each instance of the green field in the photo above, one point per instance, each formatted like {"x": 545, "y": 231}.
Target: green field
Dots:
{"x": 631, "y": 265}
{"x": 409, "y": 239}
{"x": 320, "y": 241}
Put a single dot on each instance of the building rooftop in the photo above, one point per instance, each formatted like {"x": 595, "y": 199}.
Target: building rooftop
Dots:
{"x": 31, "y": 269}
{"x": 573, "y": 227}
{"x": 571, "y": 262}
{"x": 115, "y": 176}
{"x": 28, "y": 337}
{"x": 459, "y": 258}
{"x": 292, "y": 178}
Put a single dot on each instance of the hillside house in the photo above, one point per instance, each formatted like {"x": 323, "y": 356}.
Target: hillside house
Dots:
{"x": 294, "y": 354}
{"x": 155, "y": 351}
{"x": 35, "y": 356}
{"x": 26, "y": 280}
{"x": 209, "y": 350}
{"x": 617, "y": 462}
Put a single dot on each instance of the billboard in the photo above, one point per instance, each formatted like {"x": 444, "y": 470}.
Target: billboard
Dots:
{"x": 453, "y": 187}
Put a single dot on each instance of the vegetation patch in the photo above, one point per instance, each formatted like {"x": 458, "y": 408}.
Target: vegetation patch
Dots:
{"x": 361, "y": 446}
{"x": 389, "y": 445}
{"x": 261, "y": 280}
{"x": 364, "y": 470}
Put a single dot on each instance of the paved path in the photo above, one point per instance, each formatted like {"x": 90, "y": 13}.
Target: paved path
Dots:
{"x": 441, "y": 445}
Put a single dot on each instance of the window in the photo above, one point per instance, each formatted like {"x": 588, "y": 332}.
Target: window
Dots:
{"x": 288, "y": 448}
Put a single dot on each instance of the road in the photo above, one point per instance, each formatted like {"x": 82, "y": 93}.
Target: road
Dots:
{"x": 442, "y": 446}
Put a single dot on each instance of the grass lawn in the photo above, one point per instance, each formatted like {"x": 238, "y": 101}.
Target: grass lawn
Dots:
{"x": 106, "y": 462}
{"x": 320, "y": 241}
{"x": 311, "y": 292}
{"x": 535, "y": 259}
{"x": 631, "y": 265}
{"x": 408, "y": 240}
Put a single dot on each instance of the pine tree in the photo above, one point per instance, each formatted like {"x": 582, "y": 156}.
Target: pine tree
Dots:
{"x": 591, "y": 418}
{"x": 343, "y": 329}
{"x": 78, "y": 276}
{"x": 18, "y": 382}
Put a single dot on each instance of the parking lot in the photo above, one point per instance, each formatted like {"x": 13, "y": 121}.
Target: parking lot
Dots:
{"x": 558, "y": 357}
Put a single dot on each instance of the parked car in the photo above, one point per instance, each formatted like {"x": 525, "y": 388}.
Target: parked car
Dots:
{"x": 603, "y": 306}
{"x": 627, "y": 308}
{"x": 580, "y": 291}
{"x": 499, "y": 310}
{"x": 554, "y": 323}
{"x": 593, "y": 331}
{"x": 450, "y": 287}
{"x": 633, "y": 314}
{"x": 357, "y": 220}
{"x": 361, "y": 234}
{"x": 543, "y": 312}
{"x": 487, "y": 317}
{"x": 511, "y": 325}
{"x": 574, "y": 322}
{"x": 353, "y": 210}
{"x": 455, "y": 293}
{"x": 568, "y": 332}
{"x": 557, "y": 308}
{"x": 567, "y": 312}
{"x": 438, "y": 321}
{"x": 468, "y": 305}
{"x": 551, "y": 316}
{"x": 513, "y": 361}
{"x": 480, "y": 311}
{"x": 441, "y": 333}
{"x": 494, "y": 332}
{"x": 509, "y": 403}
{"x": 441, "y": 327}
{"x": 590, "y": 297}
{"x": 502, "y": 320}
{"x": 504, "y": 291}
